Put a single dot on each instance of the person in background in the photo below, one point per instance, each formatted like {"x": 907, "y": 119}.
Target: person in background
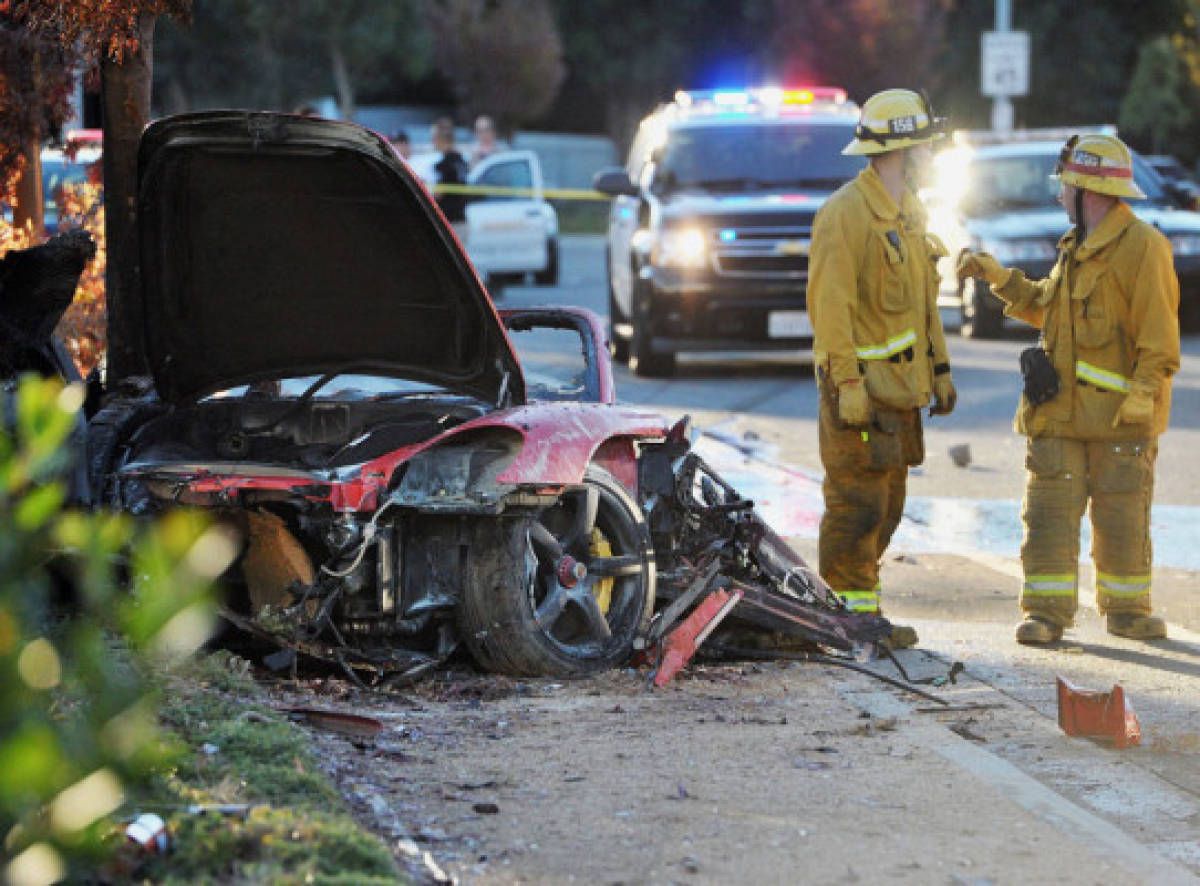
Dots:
{"x": 450, "y": 169}
{"x": 399, "y": 141}
{"x": 485, "y": 139}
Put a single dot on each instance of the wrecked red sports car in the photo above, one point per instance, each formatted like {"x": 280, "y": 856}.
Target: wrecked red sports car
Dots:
{"x": 325, "y": 369}
{"x": 312, "y": 357}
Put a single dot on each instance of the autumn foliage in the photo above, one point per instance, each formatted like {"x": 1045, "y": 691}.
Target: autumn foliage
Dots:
{"x": 102, "y": 28}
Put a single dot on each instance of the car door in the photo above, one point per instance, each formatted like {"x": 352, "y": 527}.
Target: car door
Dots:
{"x": 506, "y": 232}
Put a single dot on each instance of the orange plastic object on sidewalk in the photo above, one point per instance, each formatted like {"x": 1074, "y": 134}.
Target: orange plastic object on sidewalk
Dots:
{"x": 1101, "y": 716}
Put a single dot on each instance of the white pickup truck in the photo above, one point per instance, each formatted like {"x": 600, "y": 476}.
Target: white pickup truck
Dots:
{"x": 508, "y": 236}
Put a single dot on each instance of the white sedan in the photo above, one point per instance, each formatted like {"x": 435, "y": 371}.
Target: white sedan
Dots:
{"x": 509, "y": 235}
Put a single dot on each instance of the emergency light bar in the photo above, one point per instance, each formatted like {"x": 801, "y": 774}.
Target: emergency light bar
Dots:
{"x": 770, "y": 97}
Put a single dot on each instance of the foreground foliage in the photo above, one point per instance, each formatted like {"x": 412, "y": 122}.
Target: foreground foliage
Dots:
{"x": 77, "y": 725}
{"x": 94, "y": 610}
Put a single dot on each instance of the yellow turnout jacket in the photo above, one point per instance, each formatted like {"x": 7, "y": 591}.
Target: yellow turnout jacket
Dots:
{"x": 872, "y": 293}
{"x": 1110, "y": 315}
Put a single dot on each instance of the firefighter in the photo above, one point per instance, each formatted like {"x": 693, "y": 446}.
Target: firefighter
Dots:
{"x": 880, "y": 350}
{"x": 1094, "y": 410}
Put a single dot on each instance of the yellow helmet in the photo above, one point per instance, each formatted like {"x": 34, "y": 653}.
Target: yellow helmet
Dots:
{"x": 1099, "y": 163}
{"x": 895, "y": 119}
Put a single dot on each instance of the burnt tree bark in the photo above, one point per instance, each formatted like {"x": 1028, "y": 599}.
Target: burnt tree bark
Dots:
{"x": 30, "y": 207}
{"x": 125, "y": 90}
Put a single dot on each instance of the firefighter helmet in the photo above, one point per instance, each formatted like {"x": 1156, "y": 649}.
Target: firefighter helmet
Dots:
{"x": 894, "y": 119}
{"x": 1099, "y": 163}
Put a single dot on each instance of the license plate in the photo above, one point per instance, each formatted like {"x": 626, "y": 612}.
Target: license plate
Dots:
{"x": 789, "y": 324}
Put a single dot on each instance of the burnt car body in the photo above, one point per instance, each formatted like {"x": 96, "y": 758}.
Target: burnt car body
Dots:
{"x": 325, "y": 370}
{"x": 312, "y": 358}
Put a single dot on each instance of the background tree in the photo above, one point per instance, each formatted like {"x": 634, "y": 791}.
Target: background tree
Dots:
{"x": 861, "y": 45}
{"x": 243, "y": 53}
{"x": 36, "y": 75}
{"x": 503, "y": 57}
{"x": 625, "y": 58}
{"x": 1082, "y": 62}
{"x": 118, "y": 35}
{"x": 1153, "y": 112}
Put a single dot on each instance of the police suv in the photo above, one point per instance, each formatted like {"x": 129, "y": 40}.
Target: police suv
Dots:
{"x": 710, "y": 228}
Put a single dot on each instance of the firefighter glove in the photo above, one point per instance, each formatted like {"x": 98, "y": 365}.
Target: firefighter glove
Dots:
{"x": 1136, "y": 409}
{"x": 982, "y": 265}
{"x": 944, "y": 395}
{"x": 854, "y": 406}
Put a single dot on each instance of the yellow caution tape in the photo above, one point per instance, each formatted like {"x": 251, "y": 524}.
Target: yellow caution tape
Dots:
{"x": 545, "y": 193}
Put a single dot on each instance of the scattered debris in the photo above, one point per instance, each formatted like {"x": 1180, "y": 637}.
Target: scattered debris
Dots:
{"x": 875, "y": 725}
{"x": 148, "y": 832}
{"x": 1106, "y": 717}
{"x": 336, "y": 721}
{"x": 486, "y": 808}
{"x": 960, "y": 454}
{"x": 964, "y": 730}
{"x": 420, "y": 864}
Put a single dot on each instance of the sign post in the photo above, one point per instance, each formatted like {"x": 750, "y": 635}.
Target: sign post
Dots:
{"x": 1004, "y": 66}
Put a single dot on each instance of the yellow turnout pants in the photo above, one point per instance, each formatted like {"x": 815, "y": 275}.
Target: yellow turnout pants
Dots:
{"x": 1117, "y": 478}
{"x": 865, "y": 475}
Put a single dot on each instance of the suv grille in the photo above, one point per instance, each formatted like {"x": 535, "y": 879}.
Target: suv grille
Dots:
{"x": 762, "y": 252}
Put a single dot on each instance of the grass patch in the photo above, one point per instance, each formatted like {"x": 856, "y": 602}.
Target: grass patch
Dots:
{"x": 253, "y": 755}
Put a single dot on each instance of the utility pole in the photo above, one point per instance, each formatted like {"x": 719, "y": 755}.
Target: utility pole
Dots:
{"x": 1002, "y": 109}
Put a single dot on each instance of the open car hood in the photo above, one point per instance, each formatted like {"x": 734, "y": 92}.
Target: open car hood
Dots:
{"x": 274, "y": 246}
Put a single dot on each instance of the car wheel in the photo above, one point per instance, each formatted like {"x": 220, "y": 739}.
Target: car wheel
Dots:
{"x": 109, "y": 430}
{"x": 618, "y": 345}
{"x": 563, "y": 593}
{"x": 981, "y": 313}
{"x": 549, "y": 277}
{"x": 645, "y": 361}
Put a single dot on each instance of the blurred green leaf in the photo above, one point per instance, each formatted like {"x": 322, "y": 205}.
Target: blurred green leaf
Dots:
{"x": 39, "y": 507}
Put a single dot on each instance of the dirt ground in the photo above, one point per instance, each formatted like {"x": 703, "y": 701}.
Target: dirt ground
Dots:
{"x": 786, "y": 772}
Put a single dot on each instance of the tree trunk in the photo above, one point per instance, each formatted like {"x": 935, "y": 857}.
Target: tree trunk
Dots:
{"x": 30, "y": 206}
{"x": 125, "y": 92}
{"x": 30, "y": 209}
{"x": 342, "y": 81}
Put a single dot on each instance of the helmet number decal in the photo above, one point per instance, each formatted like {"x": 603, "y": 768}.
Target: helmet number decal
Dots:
{"x": 903, "y": 125}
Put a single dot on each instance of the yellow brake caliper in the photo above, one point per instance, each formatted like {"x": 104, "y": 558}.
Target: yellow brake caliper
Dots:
{"x": 601, "y": 590}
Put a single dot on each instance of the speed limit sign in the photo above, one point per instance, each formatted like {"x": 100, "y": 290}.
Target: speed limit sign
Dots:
{"x": 1004, "y": 63}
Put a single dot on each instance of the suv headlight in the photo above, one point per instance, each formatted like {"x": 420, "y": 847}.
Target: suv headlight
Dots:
{"x": 1185, "y": 244}
{"x": 681, "y": 248}
{"x": 1022, "y": 249}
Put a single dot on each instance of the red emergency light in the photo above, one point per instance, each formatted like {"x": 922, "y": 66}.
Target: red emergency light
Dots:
{"x": 810, "y": 94}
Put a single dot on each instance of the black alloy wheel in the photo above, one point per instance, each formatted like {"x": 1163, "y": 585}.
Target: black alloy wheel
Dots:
{"x": 563, "y": 593}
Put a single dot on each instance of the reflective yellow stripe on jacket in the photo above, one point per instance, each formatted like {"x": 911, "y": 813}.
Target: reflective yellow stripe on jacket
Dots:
{"x": 1101, "y": 378}
{"x": 1055, "y": 585}
{"x": 893, "y": 345}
